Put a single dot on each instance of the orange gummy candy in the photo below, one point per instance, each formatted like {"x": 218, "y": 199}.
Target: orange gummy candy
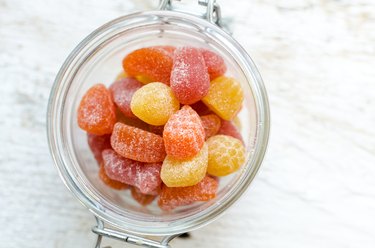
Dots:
{"x": 141, "y": 198}
{"x": 171, "y": 198}
{"x": 137, "y": 144}
{"x": 211, "y": 124}
{"x": 155, "y": 64}
{"x": 109, "y": 182}
{"x": 96, "y": 111}
{"x": 183, "y": 134}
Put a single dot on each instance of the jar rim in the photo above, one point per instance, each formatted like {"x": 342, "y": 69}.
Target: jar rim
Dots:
{"x": 56, "y": 103}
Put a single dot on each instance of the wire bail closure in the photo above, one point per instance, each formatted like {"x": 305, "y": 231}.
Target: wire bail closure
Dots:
{"x": 102, "y": 231}
{"x": 212, "y": 13}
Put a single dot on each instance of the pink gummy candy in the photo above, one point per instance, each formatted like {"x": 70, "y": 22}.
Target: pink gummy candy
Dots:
{"x": 144, "y": 176}
{"x": 190, "y": 80}
{"x": 122, "y": 92}
{"x": 97, "y": 144}
{"x": 214, "y": 62}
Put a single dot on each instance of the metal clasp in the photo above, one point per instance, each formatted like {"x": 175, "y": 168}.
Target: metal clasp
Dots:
{"x": 102, "y": 231}
{"x": 212, "y": 13}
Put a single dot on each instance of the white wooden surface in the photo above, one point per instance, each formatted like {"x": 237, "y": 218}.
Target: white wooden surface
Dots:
{"x": 316, "y": 187}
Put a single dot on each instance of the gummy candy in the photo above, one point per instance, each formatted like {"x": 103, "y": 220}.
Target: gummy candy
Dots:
{"x": 171, "y": 198}
{"x": 141, "y": 198}
{"x": 121, "y": 75}
{"x": 215, "y": 63}
{"x": 96, "y": 111}
{"x": 154, "y": 103}
{"x": 201, "y": 108}
{"x": 224, "y": 97}
{"x": 183, "y": 134}
{"x": 134, "y": 122}
{"x": 155, "y": 64}
{"x": 182, "y": 173}
{"x": 189, "y": 78}
{"x": 109, "y": 182}
{"x": 228, "y": 128}
{"x": 225, "y": 155}
{"x": 137, "y": 144}
{"x": 211, "y": 124}
{"x": 146, "y": 177}
{"x": 122, "y": 92}
{"x": 97, "y": 144}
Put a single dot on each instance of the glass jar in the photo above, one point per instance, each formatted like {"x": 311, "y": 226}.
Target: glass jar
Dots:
{"x": 97, "y": 59}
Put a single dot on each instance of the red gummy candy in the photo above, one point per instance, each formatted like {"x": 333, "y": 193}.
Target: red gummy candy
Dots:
{"x": 171, "y": 198}
{"x": 97, "y": 144}
{"x": 122, "y": 92}
{"x": 96, "y": 111}
{"x": 214, "y": 62}
{"x": 211, "y": 124}
{"x": 146, "y": 177}
{"x": 137, "y": 144}
{"x": 190, "y": 81}
{"x": 153, "y": 63}
{"x": 201, "y": 108}
{"x": 183, "y": 134}
{"x": 109, "y": 182}
{"x": 228, "y": 128}
{"x": 141, "y": 198}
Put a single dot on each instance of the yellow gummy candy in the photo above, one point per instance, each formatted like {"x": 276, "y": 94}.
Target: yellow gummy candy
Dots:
{"x": 183, "y": 173}
{"x": 225, "y": 155}
{"x": 154, "y": 103}
{"x": 144, "y": 79}
{"x": 121, "y": 75}
{"x": 224, "y": 97}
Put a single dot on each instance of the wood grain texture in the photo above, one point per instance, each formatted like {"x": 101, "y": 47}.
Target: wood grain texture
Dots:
{"x": 316, "y": 187}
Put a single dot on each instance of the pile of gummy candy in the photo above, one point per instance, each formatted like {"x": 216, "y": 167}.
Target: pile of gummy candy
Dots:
{"x": 166, "y": 127}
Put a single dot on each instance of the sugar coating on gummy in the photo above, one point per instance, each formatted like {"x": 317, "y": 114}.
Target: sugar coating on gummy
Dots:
{"x": 225, "y": 97}
{"x": 137, "y": 144}
{"x": 228, "y": 128}
{"x": 96, "y": 111}
{"x": 211, "y": 124}
{"x": 183, "y": 173}
{"x": 190, "y": 81}
{"x": 109, "y": 182}
{"x": 154, "y": 103}
{"x": 215, "y": 63}
{"x": 225, "y": 155}
{"x": 141, "y": 198}
{"x": 171, "y": 198}
{"x": 154, "y": 64}
{"x": 122, "y": 92}
{"x": 183, "y": 134}
{"x": 97, "y": 144}
{"x": 144, "y": 176}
